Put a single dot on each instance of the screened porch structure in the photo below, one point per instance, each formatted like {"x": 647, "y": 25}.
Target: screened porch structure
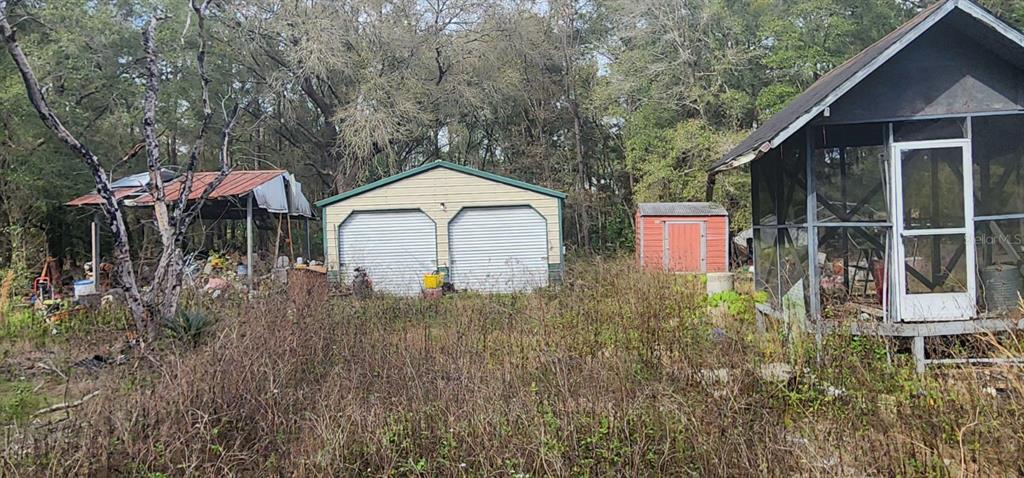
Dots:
{"x": 892, "y": 190}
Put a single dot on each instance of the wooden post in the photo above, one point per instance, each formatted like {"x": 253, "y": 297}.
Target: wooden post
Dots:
{"x": 920, "y": 359}
{"x": 277, "y": 240}
{"x": 248, "y": 240}
{"x": 95, "y": 236}
{"x": 308, "y": 247}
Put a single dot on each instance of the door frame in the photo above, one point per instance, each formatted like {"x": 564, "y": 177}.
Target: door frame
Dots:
{"x": 453, "y": 270}
{"x": 703, "y": 243}
{"x": 346, "y": 275}
{"x": 957, "y": 305}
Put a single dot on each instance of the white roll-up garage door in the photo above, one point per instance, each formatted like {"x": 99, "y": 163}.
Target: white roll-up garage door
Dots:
{"x": 395, "y": 248}
{"x": 498, "y": 249}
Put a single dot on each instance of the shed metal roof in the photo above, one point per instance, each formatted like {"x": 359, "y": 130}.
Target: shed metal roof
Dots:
{"x": 125, "y": 187}
{"x": 236, "y": 183}
{"x": 439, "y": 164}
{"x": 93, "y": 199}
{"x": 834, "y": 84}
{"x": 269, "y": 196}
{"x": 689, "y": 209}
{"x": 139, "y": 180}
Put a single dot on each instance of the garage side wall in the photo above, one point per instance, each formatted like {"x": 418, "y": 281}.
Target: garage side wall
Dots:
{"x": 652, "y": 236}
{"x": 441, "y": 193}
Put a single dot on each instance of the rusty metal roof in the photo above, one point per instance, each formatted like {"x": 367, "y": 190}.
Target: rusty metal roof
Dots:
{"x": 237, "y": 183}
{"x": 275, "y": 191}
{"x": 93, "y": 199}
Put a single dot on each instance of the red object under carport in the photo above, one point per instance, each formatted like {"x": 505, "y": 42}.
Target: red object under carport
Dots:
{"x": 683, "y": 237}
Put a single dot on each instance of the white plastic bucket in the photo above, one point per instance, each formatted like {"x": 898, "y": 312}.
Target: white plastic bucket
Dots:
{"x": 84, "y": 287}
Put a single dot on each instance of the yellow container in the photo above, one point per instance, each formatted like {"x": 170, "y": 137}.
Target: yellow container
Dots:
{"x": 433, "y": 281}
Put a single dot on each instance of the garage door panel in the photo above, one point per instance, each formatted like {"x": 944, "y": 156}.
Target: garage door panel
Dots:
{"x": 395, "y": 248}
{"x": 499, "y": 249}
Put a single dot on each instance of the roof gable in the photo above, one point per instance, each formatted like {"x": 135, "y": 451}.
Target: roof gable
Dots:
{"x": 836, "y": 83}
{"x": 945, "y": 72}
{"x": 434, "y": 165}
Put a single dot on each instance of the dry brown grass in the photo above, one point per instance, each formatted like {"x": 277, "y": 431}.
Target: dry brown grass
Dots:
{"x": 615, "y": 373}
{"x": 5, "y": 290}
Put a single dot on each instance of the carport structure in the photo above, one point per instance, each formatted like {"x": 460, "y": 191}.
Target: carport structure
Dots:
{"x": 242, "y": 195}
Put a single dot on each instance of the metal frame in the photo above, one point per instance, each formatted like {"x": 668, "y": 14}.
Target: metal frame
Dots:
{"x": 814, "y": 289}
{"x": 959, "y": 305}
{"x": 703, "y": 243}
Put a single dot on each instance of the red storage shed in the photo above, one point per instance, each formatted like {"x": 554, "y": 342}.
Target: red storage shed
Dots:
{"x": 683, "y": 237}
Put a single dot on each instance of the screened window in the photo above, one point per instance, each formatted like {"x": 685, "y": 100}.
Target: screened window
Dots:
{"x": 998, "y": 157}
{"x": 935, "y": 264}
{"x": 1000, "y": 264}
{"x": 765, "y": 190}
{"x": 780, "y": 185}
{"x": 850, "y": 172}
{"x": 933, "y": 188}
{"x": 794, "y": 269}
{"x": 766, "y": 262}
{"x": 793, "y": 168}
{"x": 781, "y": 268}
{"x": 851, "y": 266}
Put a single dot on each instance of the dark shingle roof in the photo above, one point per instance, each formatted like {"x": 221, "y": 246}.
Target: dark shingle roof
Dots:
{"x": 681, "y": 209}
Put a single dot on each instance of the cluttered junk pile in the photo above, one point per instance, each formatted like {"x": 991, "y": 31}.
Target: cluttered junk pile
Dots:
{"x": 57, "y": 292}
{"x": 51, "y": 292}
{"x": 226, "y": 272}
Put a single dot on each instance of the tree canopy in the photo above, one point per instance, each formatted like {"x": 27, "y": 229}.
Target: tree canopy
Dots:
{"x": 612, "y": 101}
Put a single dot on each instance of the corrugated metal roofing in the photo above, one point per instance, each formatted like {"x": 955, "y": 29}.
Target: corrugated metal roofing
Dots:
{"x": 141, "y": 179}
{"x": 823, "y": 92}
{"x": 682, "y": 209}
{"x": 93, "y": 199}
{"x": 237, "y": 183}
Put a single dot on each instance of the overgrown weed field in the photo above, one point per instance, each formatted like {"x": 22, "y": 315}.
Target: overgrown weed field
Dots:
{"x": 616, "y": 372}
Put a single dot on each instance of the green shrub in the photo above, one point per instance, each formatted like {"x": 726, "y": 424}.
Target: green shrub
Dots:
{"x": 188, "y": 326}
{"x": 17, "y": 401}
{"x": 24, "y": 324}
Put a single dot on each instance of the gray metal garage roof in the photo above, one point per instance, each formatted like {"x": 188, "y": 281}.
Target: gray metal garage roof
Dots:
{"x": 834, "y": 84}
{"x": 682, "y": 209}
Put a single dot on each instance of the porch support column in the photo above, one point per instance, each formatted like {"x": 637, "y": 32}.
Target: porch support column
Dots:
{"x": 919, "y": 357}
{"x": 814, "y": 294}
{"x": 248, "y": 240}
{"x": 309, "y": 249}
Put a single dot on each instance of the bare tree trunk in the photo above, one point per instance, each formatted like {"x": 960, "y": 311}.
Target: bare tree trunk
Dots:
{"x": 570, "y": 46}
{"x": 111, "y": 208}
{"x": 165, "y": 291}
{"x": 161, "y": 299}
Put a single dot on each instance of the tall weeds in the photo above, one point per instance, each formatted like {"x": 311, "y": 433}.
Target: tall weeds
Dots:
{"x": 614, "y": 373}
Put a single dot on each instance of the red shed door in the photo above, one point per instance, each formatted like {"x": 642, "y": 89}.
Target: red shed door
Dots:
{"x": 684, "y": 247}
